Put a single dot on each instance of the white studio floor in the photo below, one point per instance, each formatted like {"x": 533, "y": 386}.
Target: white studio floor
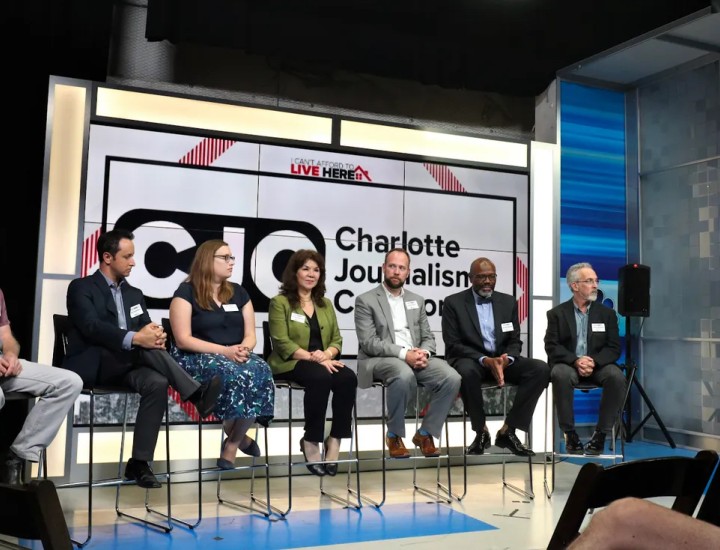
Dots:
{"x": 489, "y": 517}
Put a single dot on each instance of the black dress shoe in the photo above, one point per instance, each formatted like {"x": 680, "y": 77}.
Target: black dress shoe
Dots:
{"x": 205, "y": 398}
{"x": 315, "y": 469}
{"x": 12, "y": 469}
{"x": 480, "y": 443}
{"x": 509, "y": 441}
{"x": 139, "y": 471}
{"x": 596, "y": 445}
{"x": 573, "y": 445}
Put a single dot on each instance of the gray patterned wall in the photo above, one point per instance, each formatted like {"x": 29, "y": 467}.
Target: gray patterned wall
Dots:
{"x": 680, "y": 240}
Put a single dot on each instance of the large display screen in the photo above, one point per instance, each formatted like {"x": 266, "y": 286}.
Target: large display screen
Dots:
{"x": 175, "y": 191}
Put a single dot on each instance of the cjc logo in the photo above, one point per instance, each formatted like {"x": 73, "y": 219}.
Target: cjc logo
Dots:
{"x": 165, "y": 244}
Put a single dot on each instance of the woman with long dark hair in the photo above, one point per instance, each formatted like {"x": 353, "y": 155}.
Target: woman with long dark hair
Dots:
{"x": 306, "y": 346}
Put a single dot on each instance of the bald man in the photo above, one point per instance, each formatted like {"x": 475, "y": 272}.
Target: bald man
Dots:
{"x": 481, "y": 331}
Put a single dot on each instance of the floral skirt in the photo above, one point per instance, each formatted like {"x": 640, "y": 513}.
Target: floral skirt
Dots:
{"x": 248, "y": 388}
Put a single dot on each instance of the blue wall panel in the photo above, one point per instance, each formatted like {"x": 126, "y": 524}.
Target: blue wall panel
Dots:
{"x": 592, "y": 196}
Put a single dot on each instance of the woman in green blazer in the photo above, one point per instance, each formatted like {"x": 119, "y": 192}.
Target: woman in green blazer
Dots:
{"x": 306, "y": 345}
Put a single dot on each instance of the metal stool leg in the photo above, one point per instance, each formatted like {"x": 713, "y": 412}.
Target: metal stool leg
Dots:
{"x": 445, "y": 497}
{"x": 184, "y": 523}
{"x": 549, "y": 489}
{"x": 265, "y": 509}
{"x": 168, "y": 517}
{"x": 522, "y": 492}
{"x": 345, "y": 501}
{"x": 383, "y": 455}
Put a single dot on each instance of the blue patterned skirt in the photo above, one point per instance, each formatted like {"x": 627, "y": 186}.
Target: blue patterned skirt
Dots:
{"x": 248, "y": 388}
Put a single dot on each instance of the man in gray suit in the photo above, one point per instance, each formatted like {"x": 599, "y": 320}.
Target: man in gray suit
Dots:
{"x": 481, "y": 331}
{"x": 397, "y": 347}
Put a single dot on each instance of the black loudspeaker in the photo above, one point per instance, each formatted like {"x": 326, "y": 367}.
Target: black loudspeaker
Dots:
{"x": 634, "y": 290}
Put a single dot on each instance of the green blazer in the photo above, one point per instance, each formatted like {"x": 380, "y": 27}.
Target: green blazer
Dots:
{"x": 288, "y": 336}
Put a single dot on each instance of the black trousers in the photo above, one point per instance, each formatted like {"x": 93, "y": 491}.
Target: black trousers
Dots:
{"x": 318, "y": 383}
{"x": 609, "y": 377}
{"x": 149, "y": 373}
{"x": 530, "y": 375}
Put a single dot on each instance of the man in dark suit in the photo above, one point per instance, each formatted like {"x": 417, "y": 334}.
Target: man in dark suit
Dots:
{"x": 113, "y": 342}
{"x": 582, "y": 342}
{"x": 481, "y": 331}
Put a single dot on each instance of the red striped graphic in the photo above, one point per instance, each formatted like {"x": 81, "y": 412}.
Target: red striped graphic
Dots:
{"x": 207, "y": 151}
{"x": 203, "y": 154}
{"x": 89, "y": 253}
{"x": 522, "y": 280}
{"x": 444, "y": 177}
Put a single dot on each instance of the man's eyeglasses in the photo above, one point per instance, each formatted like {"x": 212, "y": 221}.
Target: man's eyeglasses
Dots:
{"x": 589, "y": 281}
{"x": 482, "y": 276}
{"x": 227, "y": 257}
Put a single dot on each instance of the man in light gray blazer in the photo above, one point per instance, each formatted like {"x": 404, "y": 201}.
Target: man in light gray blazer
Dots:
{"x": 397, "y": 347}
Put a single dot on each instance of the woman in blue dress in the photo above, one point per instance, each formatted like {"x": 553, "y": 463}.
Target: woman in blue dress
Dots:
{"x": 213, "y": 323}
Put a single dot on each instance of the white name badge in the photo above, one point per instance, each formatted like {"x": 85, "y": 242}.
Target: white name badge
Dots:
{"x": 598, "y": 327}
{"x": 230, "y": 307}
{"x": 135, "y": 311}
{"x": 412, "y": 304}
{"x": 507, "y": 327}
{"x": 297, "y": 317}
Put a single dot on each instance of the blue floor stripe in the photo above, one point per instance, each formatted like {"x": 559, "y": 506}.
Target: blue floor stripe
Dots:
{"x": 300, "y": 529}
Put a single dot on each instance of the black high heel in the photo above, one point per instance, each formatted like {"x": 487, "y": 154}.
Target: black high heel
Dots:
{"x": 315, "y": 469}
{"x": 331, "y": 468}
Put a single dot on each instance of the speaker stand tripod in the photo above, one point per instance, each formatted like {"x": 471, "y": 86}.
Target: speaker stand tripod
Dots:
{"x": 630, "y": 433}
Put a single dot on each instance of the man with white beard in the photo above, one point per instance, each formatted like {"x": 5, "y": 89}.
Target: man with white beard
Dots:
{"x": 582, "y": 343}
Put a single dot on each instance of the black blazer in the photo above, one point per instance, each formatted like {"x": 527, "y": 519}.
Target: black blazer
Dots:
{"x": 561, "y": 335}
{"x": 94, "y": 323}
{"x": 461, "y": 327}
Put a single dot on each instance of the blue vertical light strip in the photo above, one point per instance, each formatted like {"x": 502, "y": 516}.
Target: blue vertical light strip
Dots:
{"x": 592, "y": 196}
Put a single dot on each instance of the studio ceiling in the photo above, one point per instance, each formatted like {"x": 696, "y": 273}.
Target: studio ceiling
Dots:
{"x": 512, "y": 47}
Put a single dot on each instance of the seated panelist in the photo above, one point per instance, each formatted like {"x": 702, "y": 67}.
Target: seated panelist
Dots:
{"x": 213, "y": 324}
{"x": 582, "y": 342}
{"x": 57, "y": 390}
{"x": 397, "y": 347}
{"x": 113, "y": 342}
{"x": 481, "y": 331}
{"x": 306, "y": 346}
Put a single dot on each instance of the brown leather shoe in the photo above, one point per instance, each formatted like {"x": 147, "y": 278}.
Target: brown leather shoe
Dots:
{"x": 425, "y": 442}
{"x": 396, "y": 447}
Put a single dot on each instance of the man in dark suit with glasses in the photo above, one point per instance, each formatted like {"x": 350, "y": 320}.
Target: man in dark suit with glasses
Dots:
{"x": 481, "y": 331}
{"x": 582, "y": 343}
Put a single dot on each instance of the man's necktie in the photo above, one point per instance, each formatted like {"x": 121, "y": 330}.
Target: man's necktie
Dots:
{"x": 122, "y": 322}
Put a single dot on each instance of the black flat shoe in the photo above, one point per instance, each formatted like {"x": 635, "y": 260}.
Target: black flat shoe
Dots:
{"x": 315, "y": 469}
{"x": 223, "y": 463}
{"x": 252, "y": 448}
{"x": 331, "y": 468}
